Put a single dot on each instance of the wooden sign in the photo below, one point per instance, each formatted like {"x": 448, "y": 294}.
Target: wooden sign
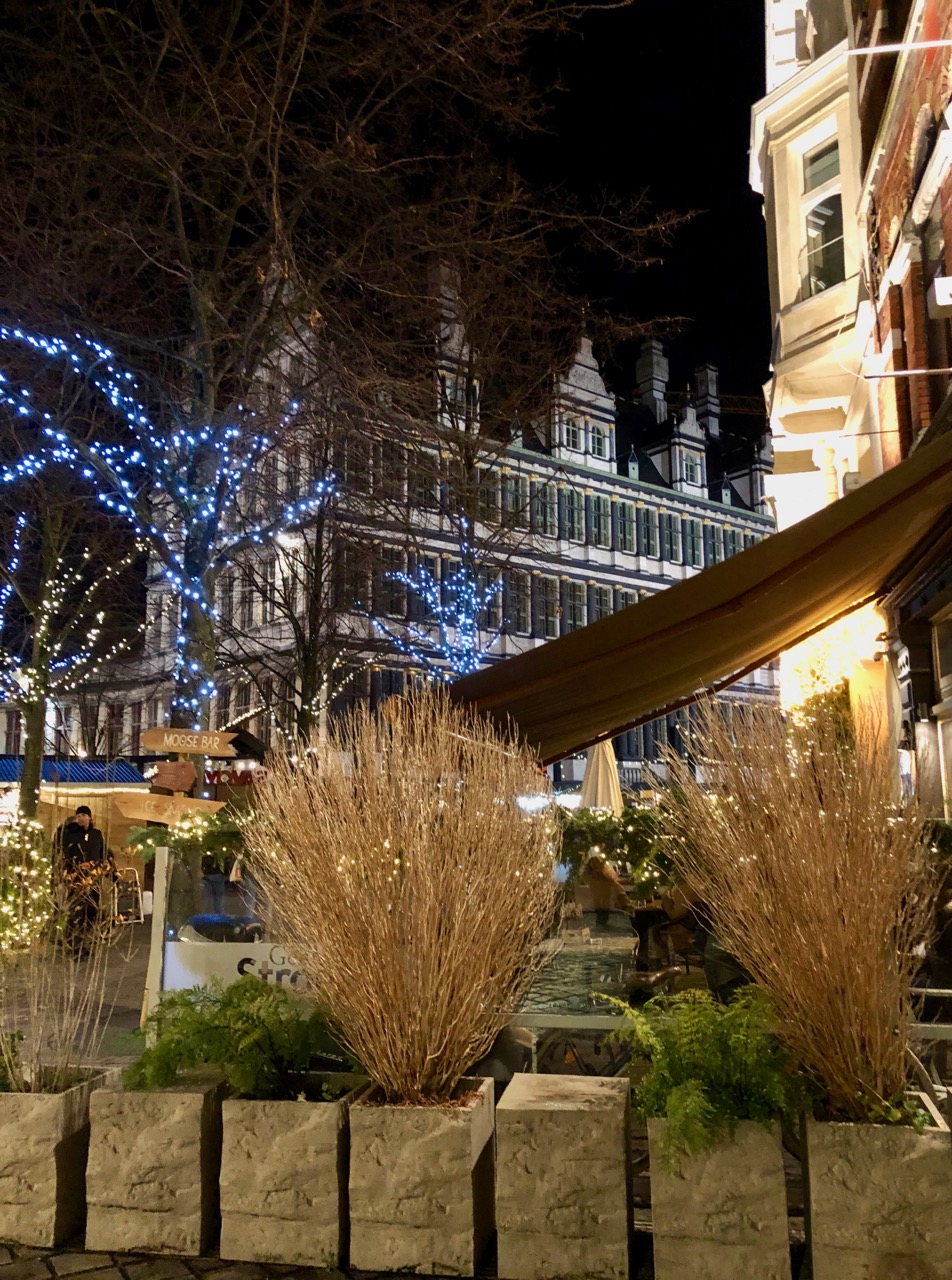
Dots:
{"x": 174, "y": 775}
{"x": 198, "y": 742}
{"x": 165, "y": 809}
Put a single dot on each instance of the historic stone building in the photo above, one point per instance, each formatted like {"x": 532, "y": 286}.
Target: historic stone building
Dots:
{"x": 603, "y": 504}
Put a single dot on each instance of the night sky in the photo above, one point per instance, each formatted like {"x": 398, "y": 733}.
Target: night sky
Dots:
{"x": 658, "y": 98}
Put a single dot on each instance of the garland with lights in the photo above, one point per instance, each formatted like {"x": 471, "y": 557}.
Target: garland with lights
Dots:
{"x": 635, "y": 838}
{"x": 25, "y": 883}
{"x": 216, "y": 837}
{"x": 176, "y": 485}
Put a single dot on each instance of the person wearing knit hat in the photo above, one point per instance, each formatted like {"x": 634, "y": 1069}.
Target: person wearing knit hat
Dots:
{"x": 82, "y": 863}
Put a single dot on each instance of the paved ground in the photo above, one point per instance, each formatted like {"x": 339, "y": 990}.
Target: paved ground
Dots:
{"x": 58, "y": 1264}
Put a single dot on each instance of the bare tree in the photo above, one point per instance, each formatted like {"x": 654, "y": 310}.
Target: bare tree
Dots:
{"x": 197, "y": 199}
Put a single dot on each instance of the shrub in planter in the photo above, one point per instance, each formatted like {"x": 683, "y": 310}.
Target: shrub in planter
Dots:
{"x": 56, "y": 941}
{"x": 282, "y": 1136}
{"x": 718, "y": 1087}
{"x": 817, "y": 876}
{"x": 414, "y": 893}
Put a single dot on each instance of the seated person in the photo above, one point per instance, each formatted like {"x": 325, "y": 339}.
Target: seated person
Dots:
{"x": 608, "y": 892}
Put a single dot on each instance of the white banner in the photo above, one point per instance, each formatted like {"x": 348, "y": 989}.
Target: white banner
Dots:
{"x": 196, "y": 964}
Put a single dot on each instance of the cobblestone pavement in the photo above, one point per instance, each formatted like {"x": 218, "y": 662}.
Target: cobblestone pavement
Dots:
{"x": 18, "y": 1263}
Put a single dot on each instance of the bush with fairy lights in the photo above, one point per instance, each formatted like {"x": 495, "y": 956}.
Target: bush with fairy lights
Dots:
{"x": 633, "y": 838}
{"x": 25, "y": 882}
{"x": 215, "y": 839}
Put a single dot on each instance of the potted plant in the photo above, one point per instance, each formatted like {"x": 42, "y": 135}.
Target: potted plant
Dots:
{"x": 414, "y": 893}
{"x": 717, "y": 1090}
{"x": 56, "y": 936}
{"x": 279, "y": 1137}
{"x": 816, "y": 874}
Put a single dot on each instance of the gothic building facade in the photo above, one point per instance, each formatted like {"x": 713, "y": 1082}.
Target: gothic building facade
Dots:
{"x": 610, "y": 502}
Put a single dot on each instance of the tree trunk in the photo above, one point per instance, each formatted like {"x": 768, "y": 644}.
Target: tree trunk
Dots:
{"x": 192, "y": 700}
{"x": 34, "y": 724}
{"x": 195, "y": 668}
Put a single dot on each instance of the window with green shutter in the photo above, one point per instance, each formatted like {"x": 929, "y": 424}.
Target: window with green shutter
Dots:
{"x": 517, "y": 602}
{"x": 671, "y": 538}
{"x": 713, "y": 545}
{"x": 647, "y": 531}
{"x": 626, "y": 527}
{"x": 692, "y": 543}
{"x": 545, "y": 511}
{"x": 574, "y": 515}
{"x": 602, "y": 522}
{"x": 601, "y": 603}
{"x": 573, "y": 615}
{"x": 546, "y": 620}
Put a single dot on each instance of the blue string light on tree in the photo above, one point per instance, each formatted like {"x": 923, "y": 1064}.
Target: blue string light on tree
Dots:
{"x": 452, "y": 639}
{"x": 176, "y": 484}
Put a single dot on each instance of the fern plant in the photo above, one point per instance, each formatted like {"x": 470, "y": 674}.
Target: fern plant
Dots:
{"x": 263, "y": 1038}
{"x": 712, "y": 1065}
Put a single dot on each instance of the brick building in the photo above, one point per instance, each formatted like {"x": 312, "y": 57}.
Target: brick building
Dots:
{"x": 852, "y": 151}
{"x": 901, "y": 78}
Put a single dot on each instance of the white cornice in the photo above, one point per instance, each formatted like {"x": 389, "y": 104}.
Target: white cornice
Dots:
{"x": 795, "y": 94}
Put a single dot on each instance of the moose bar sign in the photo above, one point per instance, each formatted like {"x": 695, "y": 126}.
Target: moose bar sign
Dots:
{"x": 197, "y": 742}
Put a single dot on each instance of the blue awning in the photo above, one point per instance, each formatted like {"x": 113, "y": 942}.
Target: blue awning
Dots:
{"x": 76, "y": 772}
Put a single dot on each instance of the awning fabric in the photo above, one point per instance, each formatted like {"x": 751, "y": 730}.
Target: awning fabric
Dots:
{"x": 75, "y": 772}
{"x": 705, "y": 632}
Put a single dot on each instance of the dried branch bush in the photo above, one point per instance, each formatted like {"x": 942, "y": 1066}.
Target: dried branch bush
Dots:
{"x": 818, "y": 881}
{"x": 57, "y": 988}
{"x": 411, "y": 887}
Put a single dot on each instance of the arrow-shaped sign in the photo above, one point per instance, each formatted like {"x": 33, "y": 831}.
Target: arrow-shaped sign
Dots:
{"x": 167, "y": 809}
{"x": 191, "y": 742}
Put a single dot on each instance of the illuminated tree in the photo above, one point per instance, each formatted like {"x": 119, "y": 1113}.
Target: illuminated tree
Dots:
{"x": 175, "y": 485}
{"x": 212, "y": 213}
{"x": 61, "y": 573}
{"x": 25, "y": 883}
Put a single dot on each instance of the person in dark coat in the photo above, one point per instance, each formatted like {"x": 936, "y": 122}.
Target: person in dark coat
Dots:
{"x": 84, "y": 861}
{"x": 79, "y": 841}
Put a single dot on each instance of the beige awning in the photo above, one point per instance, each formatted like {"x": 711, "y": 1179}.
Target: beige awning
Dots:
{"x": 704, "y": 633}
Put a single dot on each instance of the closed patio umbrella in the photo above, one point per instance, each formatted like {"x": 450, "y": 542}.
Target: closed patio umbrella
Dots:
{"x": 600, "y": 787}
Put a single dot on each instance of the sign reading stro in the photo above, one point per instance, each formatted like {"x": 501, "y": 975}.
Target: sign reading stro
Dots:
{"x": 199, "y": 742}
{"x": 196, "y": 964}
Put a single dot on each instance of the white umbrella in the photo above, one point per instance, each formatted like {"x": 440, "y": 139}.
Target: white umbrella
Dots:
{"x": 600, "y": 786}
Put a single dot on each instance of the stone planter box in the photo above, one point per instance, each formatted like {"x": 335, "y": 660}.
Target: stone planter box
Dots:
{"x": 562, "y": 1188}
{"x": 878, "y": 1201}
{"x": 421, "y": 1183}
{"x": 283, "y": 1182}
{"x": 722, "y": 1213}
{"x": 44, "y": 1139}
{"x": 152, "y": 1177}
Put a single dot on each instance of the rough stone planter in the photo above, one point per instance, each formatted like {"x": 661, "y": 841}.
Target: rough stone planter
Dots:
{"x": 878, "y": 1203}
{"x": 720, "y": 1214}
{"x": 154, "y": 1158}
{"x": 562, "y": 1188}
{"x": 44, "y": 1139}
{"x": 421, "y": 1183}
{"x": 283, "y": 1183}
